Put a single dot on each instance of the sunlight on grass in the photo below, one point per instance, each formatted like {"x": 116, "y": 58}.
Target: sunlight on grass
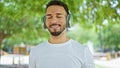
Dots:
{"x": 98, "y": 66}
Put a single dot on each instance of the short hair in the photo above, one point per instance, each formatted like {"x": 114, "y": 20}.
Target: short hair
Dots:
{"x": 59, "y": 3}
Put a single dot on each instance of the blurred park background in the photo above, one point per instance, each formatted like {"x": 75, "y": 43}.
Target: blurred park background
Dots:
{"x": 94, "y": 23}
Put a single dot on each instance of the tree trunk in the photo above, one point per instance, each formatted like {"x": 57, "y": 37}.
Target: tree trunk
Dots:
{"x": 2, "y": 36}
{"x": 117, "y": 48}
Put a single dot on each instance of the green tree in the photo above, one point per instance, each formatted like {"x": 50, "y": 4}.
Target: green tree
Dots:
{"x": 111, "y": 36}
{"x": 19, "y": 18}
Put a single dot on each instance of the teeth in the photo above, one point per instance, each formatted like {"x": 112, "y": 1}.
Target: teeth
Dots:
{"x": 54, "y": 26}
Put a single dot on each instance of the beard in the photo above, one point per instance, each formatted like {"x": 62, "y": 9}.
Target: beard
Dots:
{"x": 55, "y": 32}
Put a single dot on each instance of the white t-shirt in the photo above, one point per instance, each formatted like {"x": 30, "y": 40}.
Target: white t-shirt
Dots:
{"x": 65, "y": 55}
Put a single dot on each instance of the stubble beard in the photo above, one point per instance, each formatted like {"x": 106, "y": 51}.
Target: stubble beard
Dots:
{"x": 57, "y": 33}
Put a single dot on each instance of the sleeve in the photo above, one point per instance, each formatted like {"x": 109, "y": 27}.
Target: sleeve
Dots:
{"x": 31, "y": 60}
{"x": 89, "y": 63}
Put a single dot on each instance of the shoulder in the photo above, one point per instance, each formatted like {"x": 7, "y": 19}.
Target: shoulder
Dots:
{"x": 35, "y": 51}
{"x": 77, "y": 44}
{"x": 38, "y": 47}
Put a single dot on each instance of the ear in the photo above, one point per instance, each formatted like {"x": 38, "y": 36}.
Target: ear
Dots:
{"x": 44, "y": 21}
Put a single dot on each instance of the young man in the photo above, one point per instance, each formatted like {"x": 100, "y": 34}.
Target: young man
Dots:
{"x": 59, "y": 51}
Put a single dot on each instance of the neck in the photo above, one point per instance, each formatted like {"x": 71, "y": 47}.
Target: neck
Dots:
{"x": 59, "y": 39}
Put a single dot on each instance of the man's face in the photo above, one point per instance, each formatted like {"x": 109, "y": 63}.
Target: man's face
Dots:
{"x": 56, "y": 19}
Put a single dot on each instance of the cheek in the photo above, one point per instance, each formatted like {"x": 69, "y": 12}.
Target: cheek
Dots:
{"x": 63, "y": 22}
{"x": 47, "y": 23}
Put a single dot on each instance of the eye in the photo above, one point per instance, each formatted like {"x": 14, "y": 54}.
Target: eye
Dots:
{"x": 59, "y": 16}
{"x": 48, "y": 17}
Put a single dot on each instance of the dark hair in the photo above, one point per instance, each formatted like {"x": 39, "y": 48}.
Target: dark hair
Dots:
{"x": 59, "y": 3}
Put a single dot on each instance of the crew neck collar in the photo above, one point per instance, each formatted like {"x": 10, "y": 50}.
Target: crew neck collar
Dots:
{"x": 59, "y": 44}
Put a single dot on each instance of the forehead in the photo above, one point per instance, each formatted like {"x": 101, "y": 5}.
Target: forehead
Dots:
{"x": 54, "y": 9}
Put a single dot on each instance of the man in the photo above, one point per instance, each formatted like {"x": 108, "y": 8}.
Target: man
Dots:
{"x": 59, "y": 51}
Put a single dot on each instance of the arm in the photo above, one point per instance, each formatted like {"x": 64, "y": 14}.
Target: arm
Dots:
{"x": 89, "y": 63}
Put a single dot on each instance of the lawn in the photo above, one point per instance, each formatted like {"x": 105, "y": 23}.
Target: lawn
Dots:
{"x": 99, "y": 66}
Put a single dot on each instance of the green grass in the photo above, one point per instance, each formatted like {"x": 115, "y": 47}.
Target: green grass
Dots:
{"x": 99, "y": 66}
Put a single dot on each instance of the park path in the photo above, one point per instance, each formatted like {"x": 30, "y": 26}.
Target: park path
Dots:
{"x": 113, "y": 63}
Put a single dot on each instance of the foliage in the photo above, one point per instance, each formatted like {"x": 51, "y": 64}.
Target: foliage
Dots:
{"x": 20, "y": 20}
{"x": 83, "y": 35}
{"x": 111, "y": 36}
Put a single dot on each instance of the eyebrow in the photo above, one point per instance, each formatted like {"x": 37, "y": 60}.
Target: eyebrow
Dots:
{"x": 48, "y": 14}
{"x": 59, "y": 13}
{"x": 56, "y": 14}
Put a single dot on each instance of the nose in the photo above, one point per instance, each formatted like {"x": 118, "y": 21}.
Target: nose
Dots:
{"x": 54, "y": 20}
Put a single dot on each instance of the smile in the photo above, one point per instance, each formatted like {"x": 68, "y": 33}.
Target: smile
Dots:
{"x": 54, "y": 26}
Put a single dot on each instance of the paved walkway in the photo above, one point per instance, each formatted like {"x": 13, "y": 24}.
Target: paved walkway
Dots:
{"x": 113, "y": 63}
{"x": 13, "y": 66}
{"x": 24, "y": 60}
{"x": 14, "y": 59}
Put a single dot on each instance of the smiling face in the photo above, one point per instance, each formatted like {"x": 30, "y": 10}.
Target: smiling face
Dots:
{"x": 56, "y": 19}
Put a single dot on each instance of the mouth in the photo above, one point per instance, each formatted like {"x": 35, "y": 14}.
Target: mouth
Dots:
{"x": 54, "y": 26}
